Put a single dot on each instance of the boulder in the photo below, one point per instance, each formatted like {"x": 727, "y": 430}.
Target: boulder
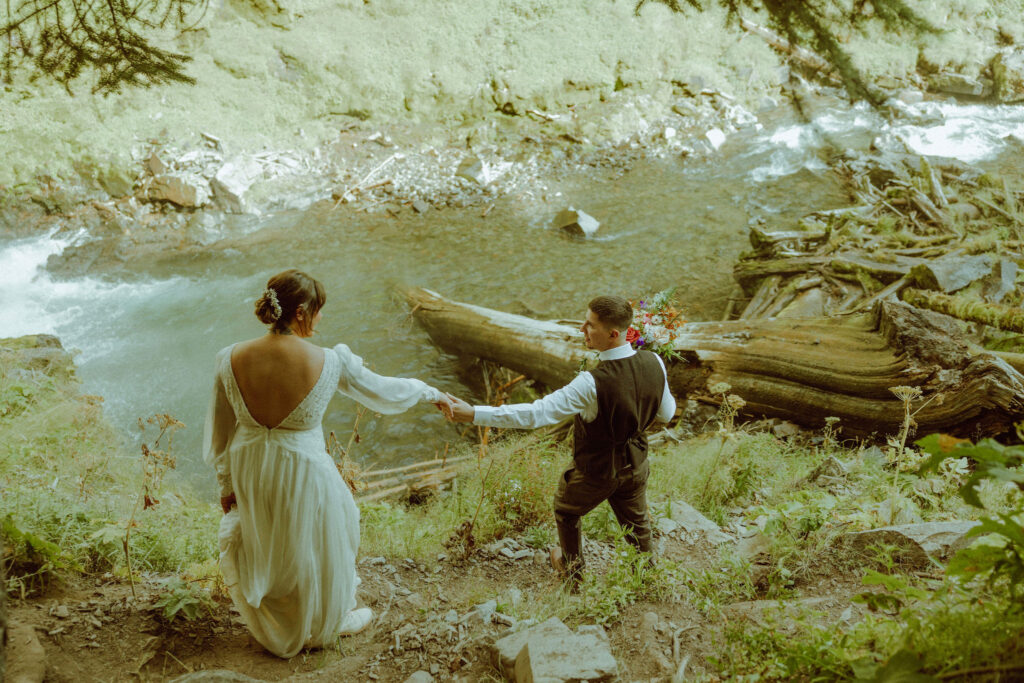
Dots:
{"x": 233, "y": 180}
{"x": 188, "y": 191}
{"x": 695, "y": 524}
{"x": 916, "y": 542}
{"x": 551, "y": 652}
{"x": 25, "y": 657}
{"x": 215, "y": 676}
{"x": 959, "y": 84}
{"x": 576, "y": 222}
{"x": 1008, "y": 75}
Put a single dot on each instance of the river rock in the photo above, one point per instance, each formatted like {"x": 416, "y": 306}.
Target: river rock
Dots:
{"x": 551, "y": 652}
{"x": 959, "y": 84}
{"x": 576, "y": 222}
{"x": 233, "y": 180}
{"x": 25, "y": 657}
{"x": 188, "y": 191}
{"x": 1008, "y": 74}
{"x": 471, "y": 168}
{"x": 716, "y": 137}
{"x": 696, "y": 524}
{"x": 215, "y": 676}
{"x": 916, "y": 542}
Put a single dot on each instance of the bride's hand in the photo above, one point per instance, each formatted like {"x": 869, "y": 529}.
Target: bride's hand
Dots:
{"x": 445, "y": 406}
{"x": 226, "y": 502}
{"x": 460, "y": 410}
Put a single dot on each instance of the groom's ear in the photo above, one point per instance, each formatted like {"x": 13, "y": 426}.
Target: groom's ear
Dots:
{"x": 614, "y": 334}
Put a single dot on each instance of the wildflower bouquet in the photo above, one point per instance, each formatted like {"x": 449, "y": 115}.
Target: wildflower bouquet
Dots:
{"x": 656, "y": 324}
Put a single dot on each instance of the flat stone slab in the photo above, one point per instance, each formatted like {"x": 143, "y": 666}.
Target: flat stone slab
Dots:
{"x": 551, "y": 653}
{"x": 916, "y": 542}
{"x": 696, "y": 524}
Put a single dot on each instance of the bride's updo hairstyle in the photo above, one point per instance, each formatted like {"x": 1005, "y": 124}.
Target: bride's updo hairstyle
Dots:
{"x": 286, "y": 293}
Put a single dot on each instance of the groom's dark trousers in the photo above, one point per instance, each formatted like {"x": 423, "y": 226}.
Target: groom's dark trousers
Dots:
{"x": 610, "y": 455}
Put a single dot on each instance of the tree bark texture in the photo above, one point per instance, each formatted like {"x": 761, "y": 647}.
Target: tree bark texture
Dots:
{"x": 802, "y": 370}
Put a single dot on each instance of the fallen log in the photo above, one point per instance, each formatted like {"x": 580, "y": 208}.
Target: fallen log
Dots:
{"x": 546, "y": 351}
{"x": 1004, "y": 317}
{"x": 802, "y": 370}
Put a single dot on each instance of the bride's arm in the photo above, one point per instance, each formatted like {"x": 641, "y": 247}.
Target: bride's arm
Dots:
{"x": 387, "y": 395}
{"x": 220, "y": 427}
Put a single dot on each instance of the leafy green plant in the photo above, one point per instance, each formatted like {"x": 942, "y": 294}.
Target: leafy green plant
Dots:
{"x": 631, "y": 577}
{"x": 30, "y": 562}
{"x": 993, "y": 462}
{"x": 184, "y": 598}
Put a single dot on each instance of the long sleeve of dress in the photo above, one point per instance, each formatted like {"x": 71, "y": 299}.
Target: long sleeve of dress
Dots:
{"x": 221, "y": 423}
{"x": 388, "y": 395}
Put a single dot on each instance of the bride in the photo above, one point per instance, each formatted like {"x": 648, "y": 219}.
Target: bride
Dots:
{"x": 290, "y": 532}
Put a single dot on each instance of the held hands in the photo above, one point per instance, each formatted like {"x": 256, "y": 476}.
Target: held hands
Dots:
{"x": 445, "y": 406}
{"x": 460, "y": 410}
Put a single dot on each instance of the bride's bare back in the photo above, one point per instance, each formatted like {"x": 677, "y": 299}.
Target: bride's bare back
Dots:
{"x": 274, "y": 374}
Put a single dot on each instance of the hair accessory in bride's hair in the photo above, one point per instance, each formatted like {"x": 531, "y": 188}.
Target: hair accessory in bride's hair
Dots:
{"x": 271, "y": 296}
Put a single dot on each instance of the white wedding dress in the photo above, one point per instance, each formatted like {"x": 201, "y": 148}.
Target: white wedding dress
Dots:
{"x": 288, "y": 551}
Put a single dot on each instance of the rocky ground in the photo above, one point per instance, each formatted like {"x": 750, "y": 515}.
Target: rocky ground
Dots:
{"x": 448, "y": 621}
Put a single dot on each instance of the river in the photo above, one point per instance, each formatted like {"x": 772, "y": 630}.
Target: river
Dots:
{"x": 146, "y": 343}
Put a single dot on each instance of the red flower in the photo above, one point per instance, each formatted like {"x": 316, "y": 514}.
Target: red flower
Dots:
{"x": 632, "y": 335}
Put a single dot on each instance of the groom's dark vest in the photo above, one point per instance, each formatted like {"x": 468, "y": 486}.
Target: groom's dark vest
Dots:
{"x": 629, "y": 391}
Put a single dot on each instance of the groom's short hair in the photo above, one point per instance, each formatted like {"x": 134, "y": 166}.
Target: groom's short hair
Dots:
{"x": 613, "y": 311}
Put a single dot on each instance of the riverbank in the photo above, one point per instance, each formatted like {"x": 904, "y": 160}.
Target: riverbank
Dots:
{"x": 341, "y": 88}
{"x": 760, "y": 576}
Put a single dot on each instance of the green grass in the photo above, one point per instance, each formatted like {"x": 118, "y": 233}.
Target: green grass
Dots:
{"x": 70, "y": 479}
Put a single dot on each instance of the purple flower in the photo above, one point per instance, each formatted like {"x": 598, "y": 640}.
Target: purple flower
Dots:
{"x": 642, "y": 304}
{"x": 640, "y": 341}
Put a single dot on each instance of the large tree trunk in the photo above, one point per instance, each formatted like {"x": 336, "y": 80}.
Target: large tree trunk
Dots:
{"x": 802, "y": 370}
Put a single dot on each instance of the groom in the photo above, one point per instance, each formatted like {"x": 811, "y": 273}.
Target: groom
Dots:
{"x": 613, "y": 405}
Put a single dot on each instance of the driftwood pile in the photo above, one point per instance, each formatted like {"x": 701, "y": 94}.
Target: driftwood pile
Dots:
{"x": 945, "y": 238}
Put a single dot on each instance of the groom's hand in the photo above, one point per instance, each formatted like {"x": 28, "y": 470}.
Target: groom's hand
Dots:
{"x": 461, "y": 411}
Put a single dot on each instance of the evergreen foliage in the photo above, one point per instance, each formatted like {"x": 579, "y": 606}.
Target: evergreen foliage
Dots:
{"x": 818, "y": 25}
{"x": 64, "y": 38}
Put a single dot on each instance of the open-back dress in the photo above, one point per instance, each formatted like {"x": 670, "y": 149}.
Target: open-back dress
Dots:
{"x": 288, "y": 550}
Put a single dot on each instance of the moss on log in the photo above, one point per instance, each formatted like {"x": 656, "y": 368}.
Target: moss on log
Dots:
{"x": 1004, "y": 317}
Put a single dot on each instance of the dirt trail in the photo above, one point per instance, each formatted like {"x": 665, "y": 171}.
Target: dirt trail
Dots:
{"x": 91, "y": 629}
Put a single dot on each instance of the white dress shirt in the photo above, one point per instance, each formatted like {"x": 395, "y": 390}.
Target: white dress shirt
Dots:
{"x": 578, "y": 397}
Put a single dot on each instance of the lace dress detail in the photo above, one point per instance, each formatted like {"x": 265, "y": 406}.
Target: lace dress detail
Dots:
{"x": 288, "y": 550}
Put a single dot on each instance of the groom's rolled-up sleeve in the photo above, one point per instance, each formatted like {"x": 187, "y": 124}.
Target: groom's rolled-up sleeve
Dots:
{"x": 572, "y": 399}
